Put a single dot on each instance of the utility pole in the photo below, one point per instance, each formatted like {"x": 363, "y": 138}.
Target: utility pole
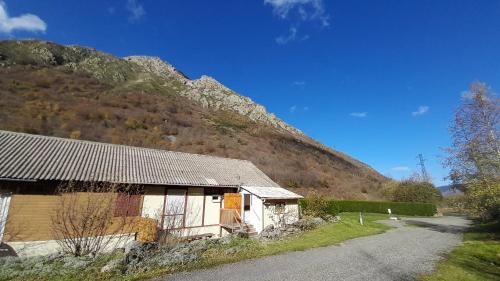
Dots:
{"x": 423, "y": 171}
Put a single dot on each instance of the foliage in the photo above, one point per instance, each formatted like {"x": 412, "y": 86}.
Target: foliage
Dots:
{"x": 315, "y": 205}
{"x": 398, "y": 208}
{"x": 414, "y": 191}
{"x": 482, "y": 198}
{"x": 476, "y": 260}
{"x": 474, "y": 157}
{"x": 81, "y": 93}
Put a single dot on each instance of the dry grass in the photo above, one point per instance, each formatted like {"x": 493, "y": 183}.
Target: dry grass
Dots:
{"x": 59, "y": 102}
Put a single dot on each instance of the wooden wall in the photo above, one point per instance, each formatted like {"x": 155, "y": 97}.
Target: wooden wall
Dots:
{"x": 30, "y": 218}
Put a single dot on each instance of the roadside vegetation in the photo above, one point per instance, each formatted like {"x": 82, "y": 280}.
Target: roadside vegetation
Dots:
{"x": 474, "y": 163}
{"x": 237, "y": 249}
{"x": 476, "y": 260}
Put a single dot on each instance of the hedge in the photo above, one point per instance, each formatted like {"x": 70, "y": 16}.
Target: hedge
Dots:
{"x": 397, "y": 208}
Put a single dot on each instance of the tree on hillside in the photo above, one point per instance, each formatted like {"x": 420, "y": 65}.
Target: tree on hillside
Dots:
{"x": 474, "y": 157}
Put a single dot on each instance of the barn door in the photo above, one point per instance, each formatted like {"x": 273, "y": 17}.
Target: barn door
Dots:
{"x": 4, "y": 211}
{"x": 175, "y": 209}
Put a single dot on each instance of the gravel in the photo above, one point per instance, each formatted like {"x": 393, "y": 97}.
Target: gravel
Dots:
{"x": 402, "y": 253}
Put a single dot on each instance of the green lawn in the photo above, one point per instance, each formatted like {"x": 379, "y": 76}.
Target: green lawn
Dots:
{"x": 325, "y": 235}
{"x": 477, "y": 259}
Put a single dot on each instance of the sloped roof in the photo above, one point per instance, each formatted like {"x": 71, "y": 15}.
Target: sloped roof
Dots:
{"x": 266, "y": 192}
{"x": 35, "y": 157}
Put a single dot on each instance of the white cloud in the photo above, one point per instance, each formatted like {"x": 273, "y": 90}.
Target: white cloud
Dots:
{"x": 299, "y": 83}
{"x": 305, "y": 10}
{"x": 359, "y": 114}
{"x": 26, "y": 22}
{"x": 136, "y": 10}
{"x": 293, "y": 108}
{"x": 306, "y": 108}
{"x": 291, "y": 36}
{"x": 423, "y": 109}
{"x": 400, "y": 169}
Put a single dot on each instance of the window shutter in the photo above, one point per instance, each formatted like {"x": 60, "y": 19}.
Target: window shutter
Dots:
{"x": 127, "y": 205}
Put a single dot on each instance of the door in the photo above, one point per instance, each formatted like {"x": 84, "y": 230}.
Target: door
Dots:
{"x": 175, "y": 209}
{"x": 247, "y": 204}
{"x": 4, "y": 211}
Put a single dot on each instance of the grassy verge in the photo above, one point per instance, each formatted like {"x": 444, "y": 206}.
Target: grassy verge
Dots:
{"x": 477, "y": 259}
{"x": 239, "y": 249}
{"x": 325, "y": 235}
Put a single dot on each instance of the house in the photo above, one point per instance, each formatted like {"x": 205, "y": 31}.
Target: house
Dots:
{"x": 193, "y": 194}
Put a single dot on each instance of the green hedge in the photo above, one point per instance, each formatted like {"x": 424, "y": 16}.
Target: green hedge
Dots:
{"x": 398, "y": 208}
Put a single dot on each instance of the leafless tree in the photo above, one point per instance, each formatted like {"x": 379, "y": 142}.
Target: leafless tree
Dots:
{"x": 475, "y": 150}
{"x": 474, "y": 157}
{"x": 91, "y": 217}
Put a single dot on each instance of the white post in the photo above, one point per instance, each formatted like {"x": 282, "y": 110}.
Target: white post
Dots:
{"x": 360, "y": 218}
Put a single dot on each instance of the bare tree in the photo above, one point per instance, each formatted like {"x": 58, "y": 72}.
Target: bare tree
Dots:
{"x": 92, "y": 217}
{"x": 475, "y": 150}
{"x": 474, "y": 157}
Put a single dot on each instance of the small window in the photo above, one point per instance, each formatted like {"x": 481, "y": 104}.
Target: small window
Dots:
{"x": 279, "y": 208}
{"x": 127, "y": 205}
{"x": 216, "y": 198}
{"x": 247, "y": 202}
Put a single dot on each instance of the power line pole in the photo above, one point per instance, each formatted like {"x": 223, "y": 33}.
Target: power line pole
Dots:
{"x": 423, "y": 171}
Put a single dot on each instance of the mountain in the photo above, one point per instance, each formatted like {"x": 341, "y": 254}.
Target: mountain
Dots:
{"x": 77, "y": 92}
{"x": 448, "y": 190}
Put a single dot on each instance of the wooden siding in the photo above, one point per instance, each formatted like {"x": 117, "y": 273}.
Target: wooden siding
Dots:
{"x": 30, "y": 218}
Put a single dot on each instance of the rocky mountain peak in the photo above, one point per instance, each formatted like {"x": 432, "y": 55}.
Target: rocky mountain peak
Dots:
{"x": 157, "y": 66}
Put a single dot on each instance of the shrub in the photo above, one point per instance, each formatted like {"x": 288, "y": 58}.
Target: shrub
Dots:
{"x": 315, "y": 205}
{"x": 398, "y": 208}
{"x": 415, "y": 191}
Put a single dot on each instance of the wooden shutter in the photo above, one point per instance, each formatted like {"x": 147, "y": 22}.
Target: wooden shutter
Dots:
{"x": 127, "y": 205}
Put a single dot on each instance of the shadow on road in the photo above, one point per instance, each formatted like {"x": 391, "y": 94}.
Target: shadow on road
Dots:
{"x": 455, "y": 229}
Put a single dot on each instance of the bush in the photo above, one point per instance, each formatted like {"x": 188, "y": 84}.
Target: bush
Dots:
{"x": 315, "y": 205}
{"x": 398, "y": 208}
{"x": 415, "y": 191}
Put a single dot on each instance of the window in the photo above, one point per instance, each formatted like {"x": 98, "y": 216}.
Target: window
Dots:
{"x": 216, "y": 198}
{"x": 127, "y": 205}
{"x": 246, "y": 205}
{"x": 279, "y": 208}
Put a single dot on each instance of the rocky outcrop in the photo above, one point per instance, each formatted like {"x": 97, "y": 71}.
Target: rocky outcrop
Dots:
{"x": 211, "y": 93}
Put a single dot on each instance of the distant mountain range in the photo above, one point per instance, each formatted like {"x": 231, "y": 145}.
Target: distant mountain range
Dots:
{"x": 447, "y": 190}
{"x": 77, "y": 92}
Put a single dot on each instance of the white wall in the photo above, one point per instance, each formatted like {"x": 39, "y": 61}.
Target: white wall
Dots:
{"x": 290, "y": 214}
{"x": 153, "y": 206}
{"x": 254, "y": 216}
{"x": 194, "y": 207}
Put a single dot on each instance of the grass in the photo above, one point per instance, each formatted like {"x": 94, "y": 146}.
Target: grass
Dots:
{"x": 325, "y": 235}
{"x": 477, "y": 259}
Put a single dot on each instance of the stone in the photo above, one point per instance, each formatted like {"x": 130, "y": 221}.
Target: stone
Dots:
{"x": 111, "y": 265}
{"x": 131, "y": 245}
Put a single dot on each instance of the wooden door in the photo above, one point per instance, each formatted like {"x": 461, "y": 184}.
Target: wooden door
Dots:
{"x": 232, "y": 201}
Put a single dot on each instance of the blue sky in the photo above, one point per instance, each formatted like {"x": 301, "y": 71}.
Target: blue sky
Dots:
{"x": 378, "y": 80}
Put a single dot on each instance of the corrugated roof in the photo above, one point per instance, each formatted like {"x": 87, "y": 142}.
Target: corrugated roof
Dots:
{"x": 265, "y": 192}
{"x": 35, "y": 157}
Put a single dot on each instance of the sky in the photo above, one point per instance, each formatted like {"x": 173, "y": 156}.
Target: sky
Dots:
{"x": 378, "y": 80}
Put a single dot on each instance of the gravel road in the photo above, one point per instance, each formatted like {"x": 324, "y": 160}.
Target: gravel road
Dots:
{"x": 399, "y": 254}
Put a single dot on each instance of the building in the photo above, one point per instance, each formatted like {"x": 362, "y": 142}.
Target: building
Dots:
{"x": 193, "y": 194}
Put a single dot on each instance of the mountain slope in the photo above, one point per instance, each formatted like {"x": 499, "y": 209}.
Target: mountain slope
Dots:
{"x": 70, "y": 91}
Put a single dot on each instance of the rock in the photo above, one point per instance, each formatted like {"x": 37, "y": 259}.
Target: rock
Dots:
{"x": 111, "y": 265}
{"x": 131, "y": 245}
{"x": 318, "y": 221}
{"x": 330, "y": 218}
